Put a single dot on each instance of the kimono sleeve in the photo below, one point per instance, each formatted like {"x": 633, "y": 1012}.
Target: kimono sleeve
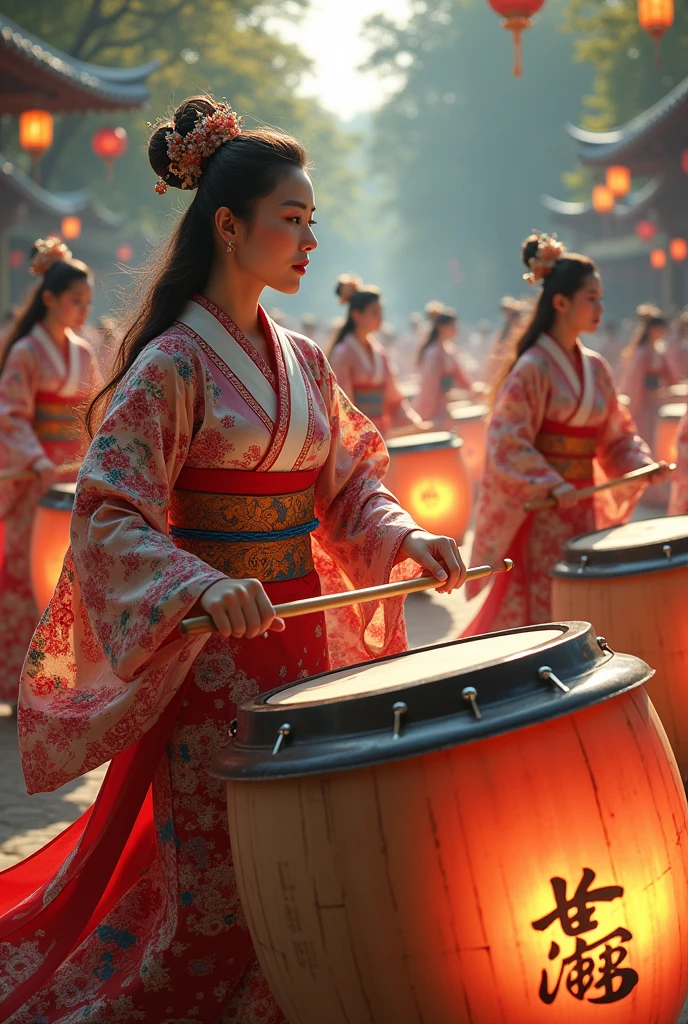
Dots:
{"x": 397, "y": 407}
{"x": 19, "y": 445}
{"x": 342, "y": 366}
{"x": 430, "y": 395}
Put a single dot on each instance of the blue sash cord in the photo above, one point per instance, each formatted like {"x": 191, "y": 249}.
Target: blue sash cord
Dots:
{"x": 250, "y": 536}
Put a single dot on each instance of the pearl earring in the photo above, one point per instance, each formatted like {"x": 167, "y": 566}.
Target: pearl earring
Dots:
{"x": 231, "y": 246}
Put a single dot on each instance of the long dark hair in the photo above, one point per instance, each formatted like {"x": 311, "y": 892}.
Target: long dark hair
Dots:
{"x": 358, "y": 297}
{"x": 58, "y": 278}
{"x": 238, "y": 174}
{"x": 567, "y": 277}
{"x": 438, "y": 316}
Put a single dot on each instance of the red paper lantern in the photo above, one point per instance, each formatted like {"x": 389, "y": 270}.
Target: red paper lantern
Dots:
{"x": 125, "y": 253}
{"x": 656, "y": 16}
{"x": 619, "y": 180}
{"x": 684, "y": 161}
{"x": 35, "y": 132}
{"x": 17, "y": 258}
{"x": 658, "y": 259}
{"x": 678, "y": 249}
{"x": 109, "y": 144}
{"x": 517, "y": 15}
{"x": 70, "y": 227}
{"x": 645, "y": 230}
{"x": 602, "y": 199}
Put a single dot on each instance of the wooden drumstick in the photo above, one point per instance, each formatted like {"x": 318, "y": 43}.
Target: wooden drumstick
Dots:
{"x": 586, "y": 492}
{"x": 325, "y": 602}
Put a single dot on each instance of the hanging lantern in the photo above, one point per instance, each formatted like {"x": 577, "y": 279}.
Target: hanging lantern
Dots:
{"x": 678, "y": 249}
{"x": 656, "y": 16}
{"x": 684, "y": 161}
{"x": 17, "y": 258}
{"x": 658, "y": 259}
{"x": 645, "y": 230}
{"x": 429, "y": 477}
{"x": 517, "y": 15}
{"x": 619, "y": 180}
{"x": 35, "y": 132}
{"x": 125, "y": 253}
{"x": 70, "y": 228}
{"x": 109, "y": 144}
{"x": 602, "y": 199}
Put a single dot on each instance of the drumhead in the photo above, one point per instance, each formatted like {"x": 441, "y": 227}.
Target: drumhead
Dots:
{"x": 470, "y": 412}
{"x": 424, "y": 701}
{"x": 430, "y": 442}
{"x": 645, "y": 546}
{"x": 60, "y": 497}
{"x": 673, "y": 411}
{"x": 414, "y": 668}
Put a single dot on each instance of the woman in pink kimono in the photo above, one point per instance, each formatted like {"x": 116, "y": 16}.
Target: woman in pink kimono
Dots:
{"x": 646, "y": 370}
{"x": 363, "y": 368}
{"x": 225, "y": 444}
{"x": 47, "y": 372}
{"x": 677, "y": 349}
{"x": 440, "y": 367}
{"x": 556, "y": 426}
{"x": 678, "y": 499}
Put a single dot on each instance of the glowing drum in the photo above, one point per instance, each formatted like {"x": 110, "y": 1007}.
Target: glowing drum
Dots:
{"x": 50, "y": 540}
{"x": 666, "y": 431}
{"x": 492, "y": 831}
{"x": 470, "y": 425}
{"x": 632, "y": 582}
{"x": 429, "y": 477}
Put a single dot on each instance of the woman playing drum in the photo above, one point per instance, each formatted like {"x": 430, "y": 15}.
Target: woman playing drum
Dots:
{"x": 225, "y": 443}
{"x": 556, "y": 426}
{"x": 440, "y": 367}
{"x": 678, "y": 501}
{"x": 47, "y": 371}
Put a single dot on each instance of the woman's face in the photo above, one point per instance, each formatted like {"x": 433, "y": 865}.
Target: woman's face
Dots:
{"x": 448, "y": 331}
{"x": 368, "y": 320}
{"x": 274, "y": 246}
{"x": 70, "y": 309}
{"x": 583, "y": 311}
{"x": 655, "y": 333}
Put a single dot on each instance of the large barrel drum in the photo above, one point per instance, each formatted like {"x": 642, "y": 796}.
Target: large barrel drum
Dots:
{"x": 631, "y": 581}
{"x": 470, "y": 423}
{"x": 428, "y": 475}
{"x": 50, "y": 540}
{"x": 491, "y": 831}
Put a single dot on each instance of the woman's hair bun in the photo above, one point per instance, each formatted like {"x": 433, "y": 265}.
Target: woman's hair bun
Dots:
{"x": 530, "y": 248}
{"x": 183, "y": 121}
{"x": 346, "y": 287}
{"x": 433, "y": 310}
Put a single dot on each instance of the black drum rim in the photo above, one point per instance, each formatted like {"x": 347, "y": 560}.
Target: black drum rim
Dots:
{"x": 59, "y": 497}
{"x": 584, "y": 563}
{"x": 445, "y": 441}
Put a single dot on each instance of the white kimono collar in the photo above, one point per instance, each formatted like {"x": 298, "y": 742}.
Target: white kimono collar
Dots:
{"x": 584, "y": 394}
{"x": 71, "y": 379}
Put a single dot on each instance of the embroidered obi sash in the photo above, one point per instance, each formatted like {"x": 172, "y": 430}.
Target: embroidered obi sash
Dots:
{"x": 370, "y": 401}
{"x": 55, "y": 418}
{"x": 569, "y": 450}
{"x": 447, "y": 382}
{"x": 248, "y": 525}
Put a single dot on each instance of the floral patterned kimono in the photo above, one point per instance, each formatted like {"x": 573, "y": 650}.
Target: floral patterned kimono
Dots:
{"x": 206, "y": 465}
{"x": 366, "y": 375}
{"x": 678, "y": 500}
{"x": 643, "y": 378}
{"x": 39, "y": 397}
{"x": 550, "y": 424}
{"x": 440, "y": 372}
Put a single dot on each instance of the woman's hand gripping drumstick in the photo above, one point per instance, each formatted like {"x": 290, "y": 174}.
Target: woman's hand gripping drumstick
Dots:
{"x": 207, "y": 623}
{"x": 567, "y": 495}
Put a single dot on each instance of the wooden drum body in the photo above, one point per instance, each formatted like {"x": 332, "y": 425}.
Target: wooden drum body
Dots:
{"x": 471, "y": 426}
{"x": 631, "y": 582}
{"x": 429, "y": 478}
{"x": 446, "y": 836}
{"x": 50, "y": 540}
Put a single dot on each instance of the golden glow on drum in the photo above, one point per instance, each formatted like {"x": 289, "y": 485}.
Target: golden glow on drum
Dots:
{"x": 50, "y": 540}
{"x": 428, "y": 476}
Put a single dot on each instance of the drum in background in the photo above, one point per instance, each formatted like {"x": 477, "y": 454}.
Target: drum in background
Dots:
{"x": 632, "y": 582}
{"x": 491, "y": 831}
{"x": 471, "y": 426}
{"x": 429, "y": 478}
{"x": 678, "y": 392}
{"x": 50, "y": 540}
{"x": 664, "y": 447}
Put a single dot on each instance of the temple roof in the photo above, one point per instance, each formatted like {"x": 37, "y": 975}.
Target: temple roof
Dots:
{"x": 35, "y": 74}
{"x": 633, "y": 138}
{"x": 16, "y": 187}
{"x": 632, "y": 204}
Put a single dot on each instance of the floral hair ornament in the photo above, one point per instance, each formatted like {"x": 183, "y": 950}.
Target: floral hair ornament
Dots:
{"x": 549, "y": 252}
{"x": 48, "y": 251}
{"x": 347, "y": 286}
{"x": 186, "y": 154}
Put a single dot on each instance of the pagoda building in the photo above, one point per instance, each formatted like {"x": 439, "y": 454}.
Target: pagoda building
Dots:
{"x": 653, "y": 147}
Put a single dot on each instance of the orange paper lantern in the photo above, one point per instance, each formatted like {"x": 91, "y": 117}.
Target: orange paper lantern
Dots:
{"x": 428, "y": 476}
{"x": 517, "y": 15}
{"x": 110, "y": 144}
{"x": 658, "y": 259}
{"x": 17, "y": 258}
{"x": 684, "y": 161}
{"x": 50, "y": 540}
{"x": 125, "y": 253}
{"x": 619, "y": 180}
{"x": 656, "y": 16}
{"x": 71, "y": 227}
{"x": 645, "y": 230}
{"x": 602, "y": 199}
{"x": 678, "y": 249}
{"x": 35, "y": 132}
